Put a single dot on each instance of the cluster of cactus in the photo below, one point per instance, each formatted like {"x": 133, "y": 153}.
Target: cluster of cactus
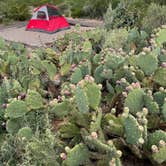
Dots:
{"x": 81, "y": 104}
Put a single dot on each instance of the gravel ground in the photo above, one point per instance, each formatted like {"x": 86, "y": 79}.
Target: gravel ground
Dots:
{"x": 17, "y": 33}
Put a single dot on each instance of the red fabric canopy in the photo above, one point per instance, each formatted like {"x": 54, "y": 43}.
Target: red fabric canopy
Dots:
{"x": 46, "y": 18}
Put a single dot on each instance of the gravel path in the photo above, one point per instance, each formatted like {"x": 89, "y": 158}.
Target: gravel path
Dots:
{"x": 17, "y": 33}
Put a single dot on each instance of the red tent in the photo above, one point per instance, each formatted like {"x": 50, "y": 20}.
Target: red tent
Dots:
{"x": 46, "y": 18}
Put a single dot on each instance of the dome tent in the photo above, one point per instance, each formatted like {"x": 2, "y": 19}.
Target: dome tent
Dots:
{"x": 46, "y": 18}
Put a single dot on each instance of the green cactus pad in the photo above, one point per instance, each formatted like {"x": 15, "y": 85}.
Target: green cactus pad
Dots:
{"x": 87, "y": 46}
{"x": 97, "y": 74}
{"x": 161, "y": 38}
{"x": 81, "y": 100}
{"x": 16, "y": 109}
{"x": 69, "y": 130}
{"x": 65, "y": 69}
{"x": 96, "y": 59}
{"x": 159, "y": 97}
{"x": 79, "y": 155}
{"x": 94, "y": 95}
{"x": 164, "y": 111}
{"x": 61, "y": 109}
{"x": 114, "y": 125}
{"x": 50, "y": 69}
{"x": 134, "y": 101}
{"x": 114, "y": 61}
{"x": 133, "y": 134}
{"x": 2, "y": 43}
{"x": 155, "y": 137}
{"x": 160, "y": 156}
{"x": 76, "y": 76}
{"x": 143, "y": 62}
{"x": 108, "y": 74}
{"x": 25, "y": 132}
{"x": 85, "y": 69}
{"x": 152, "y": 106}
{"x": 34, "y": 100}
{"x": 160, "y": 76}
{"x": 13, "y": 125}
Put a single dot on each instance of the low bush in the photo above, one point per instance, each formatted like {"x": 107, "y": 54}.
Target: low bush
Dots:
{"x": 13, "y": 10}
{"x": 127, "y": 14}
{"x": 155, "y": 17}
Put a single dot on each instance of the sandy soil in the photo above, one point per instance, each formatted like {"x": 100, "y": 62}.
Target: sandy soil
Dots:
{"x": 17, "y": 33}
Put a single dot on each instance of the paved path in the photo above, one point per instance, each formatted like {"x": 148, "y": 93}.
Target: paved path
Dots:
{"x": 17, "y": 33}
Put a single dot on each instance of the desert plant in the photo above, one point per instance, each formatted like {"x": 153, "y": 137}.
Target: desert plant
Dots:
{"x": 126, "y": 14}
{"x": 70, "y": 104}
{"x": 151, "y": 20}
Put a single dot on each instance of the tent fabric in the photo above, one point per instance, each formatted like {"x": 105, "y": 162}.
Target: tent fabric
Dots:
{"x": 47, "y": 18}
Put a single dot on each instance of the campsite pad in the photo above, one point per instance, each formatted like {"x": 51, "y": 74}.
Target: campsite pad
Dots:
{"x": 17, "y": 33}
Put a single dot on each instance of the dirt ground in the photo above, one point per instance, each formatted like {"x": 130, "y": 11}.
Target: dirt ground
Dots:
{"x": 17, "y": 33}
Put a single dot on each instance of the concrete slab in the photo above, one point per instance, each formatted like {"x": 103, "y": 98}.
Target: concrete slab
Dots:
{"x": 17, "y": 33}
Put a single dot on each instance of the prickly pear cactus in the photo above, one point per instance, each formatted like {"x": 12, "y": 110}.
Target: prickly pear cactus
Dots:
{"x": 160, "y": 37}
{"x": 134, "y": 100}
{"x": 82, "y": 100}
{"x": 155, "y": 137}
{"x": 25, "y": 132}
{"x": 76, "y": 76}
{"x": 159, "y": 76}
{"x": 76, "y": 156}
{"x": 152, "y": 106}
{"x": 16, "y": 109}
{"x": 159, "y": 156}
{"x": 143, "y": 61}
{"x": 13, "y": 125}
{"x": 164, "y": 111}
{"x": 132, "y": 130}
{"x": 34, "y": 100}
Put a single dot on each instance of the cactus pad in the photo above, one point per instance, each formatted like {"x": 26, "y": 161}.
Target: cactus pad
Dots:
{"x": 160, "y": 76}
{"x": 78, "y": 155}
{"x": 134, "y": 100}
{"x": 82, "y": 100}
{"x": 16, "y": 109}
{"x": 34, "y": 100}
{"x": 133, "y": 134}
{"x": 25, "y": 132}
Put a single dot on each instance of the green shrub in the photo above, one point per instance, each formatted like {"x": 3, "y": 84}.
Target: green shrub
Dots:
{"x": 155, "y": 17}
{"x": 126, "y": 14}
{"x": 14, "y": 10}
